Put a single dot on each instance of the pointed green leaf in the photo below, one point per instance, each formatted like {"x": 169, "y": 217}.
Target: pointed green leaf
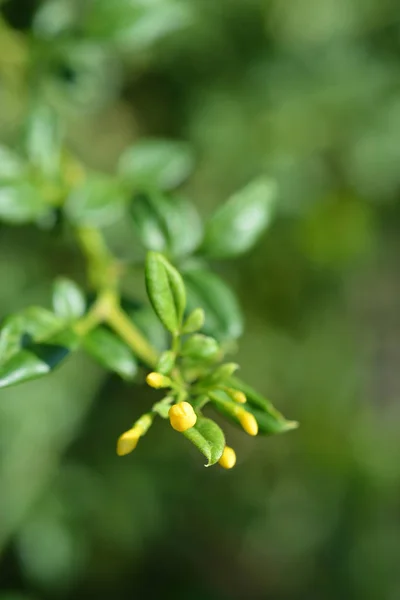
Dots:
{"x": 208, "y": 437}
{"x": 111, "y": 352}
{"x": 20, "y": 202}
{"x": 68, "y": 299}
{"x": 98, "y": 201}
{"x": 238, "y": 224}
{"x": 158, "y": 163}
{"x": 166, "y": 291}
{"x": 43, "y": 140}
{"x": 223, "y": 317}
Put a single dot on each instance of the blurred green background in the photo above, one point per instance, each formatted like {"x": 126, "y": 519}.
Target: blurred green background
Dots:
{"x": 309, "y": 92}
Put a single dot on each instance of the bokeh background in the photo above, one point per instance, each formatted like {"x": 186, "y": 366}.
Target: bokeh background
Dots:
{"x": 309, "y": 92}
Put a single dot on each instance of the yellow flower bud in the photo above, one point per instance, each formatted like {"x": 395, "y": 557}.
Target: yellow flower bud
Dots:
{"x": 248, "y": 422}
{"x": 228, "y": 458}
{"x": 157, "y": 381}
{"x": 182, "y": 416}
{"x": 128, "y": 441}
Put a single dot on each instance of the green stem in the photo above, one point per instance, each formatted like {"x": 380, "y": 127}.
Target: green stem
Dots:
{"x": 103, "y": 269}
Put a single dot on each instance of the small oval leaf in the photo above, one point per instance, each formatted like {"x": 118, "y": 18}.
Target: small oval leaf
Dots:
{"x": 238, "y": 224}
{"x": 20, "y": 202}
{"x": 208, "y": 437}
{"x": 169, "y": 224}
{"x": 166, "y": 291}
{"x": 200, "y": 346}
{"x": 98, "y": 202}
{"x": 43, "y": 140}
{"x": 156, "y": 163}
{"x": 111, "y": 352}
{"x": 68, "y": 299}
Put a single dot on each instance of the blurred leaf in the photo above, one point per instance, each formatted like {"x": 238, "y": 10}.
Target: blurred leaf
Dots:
{"x": 54, "y": 17}
{"x": 81, "y": 76}
{"x": 43, "y": 140}
{"x": 148, "y": 323}
{"x": 31, "y": 363}
{"x": 153, "y": 163}
{"x": 34, "y": 322}
{"x": 169, "y": 224}
{"x": 208, "y": 437}
{"x": 200, "y": 346}
{"x": 166, "y": 291}
{"x": 237, "y": 224}
{"x": 223, "y": 318}
{"x": 11, "y": 331}
{"x": 20, "y": 202}
{"x": 97, "y": 202}
{"x": 11, "y": 165}
{"x": 135, "y": 25}
{"x": 194, "y": 321}
{"x": 111, "y": 352}
{"x": 166, "y": 362}
{"x": 68, "y": 299}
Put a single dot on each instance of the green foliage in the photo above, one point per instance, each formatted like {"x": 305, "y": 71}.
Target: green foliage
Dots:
{"x": 166, "y": 291}
{"x": 68, "y": 300}
{"x": 237, "y": 224}
{"x": 110, "y": 352}
{"x": 43, "y": 182}
{"x": 156, "y": 164}
{"x": 208, "y": 438}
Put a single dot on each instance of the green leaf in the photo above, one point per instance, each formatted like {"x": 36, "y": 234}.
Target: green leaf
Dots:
{"x": 169, "y": 224}
{"x": 148, "y": 323}
{"x": 270, "y": 421}
{"x": 11, "y": 165}
{"x": 166, "y": 362}
{"x": 223, "y": 317}
{"x": 31, "y": 363}
{"x": 33, "y": 322}
{"x": 208, "y": 437}
{"x": 10, "y": 336}
{"x": 20, "y": 202}
{"x": 200, "y": 346}
{"x": 53, "y": 18}
{"x": 135, "y": 26}
{"x": 97, "y": 202}
{"x": 194, "y": 321}
{"x": 43, "y": 140}
{"x": 68, "y": 299}
{"x": 166, "y": 291}
{"x": 238, "y": 224}
{"x": 111, "y": 352}
{"x": 156, "y": 163}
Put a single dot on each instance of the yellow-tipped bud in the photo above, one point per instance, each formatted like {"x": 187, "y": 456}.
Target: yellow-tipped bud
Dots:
{"x": 128, "y": 441}
{"x": 182, "y": 416}
{"x": 248, "y": 422}
{"x": 157, "y": 381}
{"x": 238, "y": 396}
{"x": 228, "y": 458}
